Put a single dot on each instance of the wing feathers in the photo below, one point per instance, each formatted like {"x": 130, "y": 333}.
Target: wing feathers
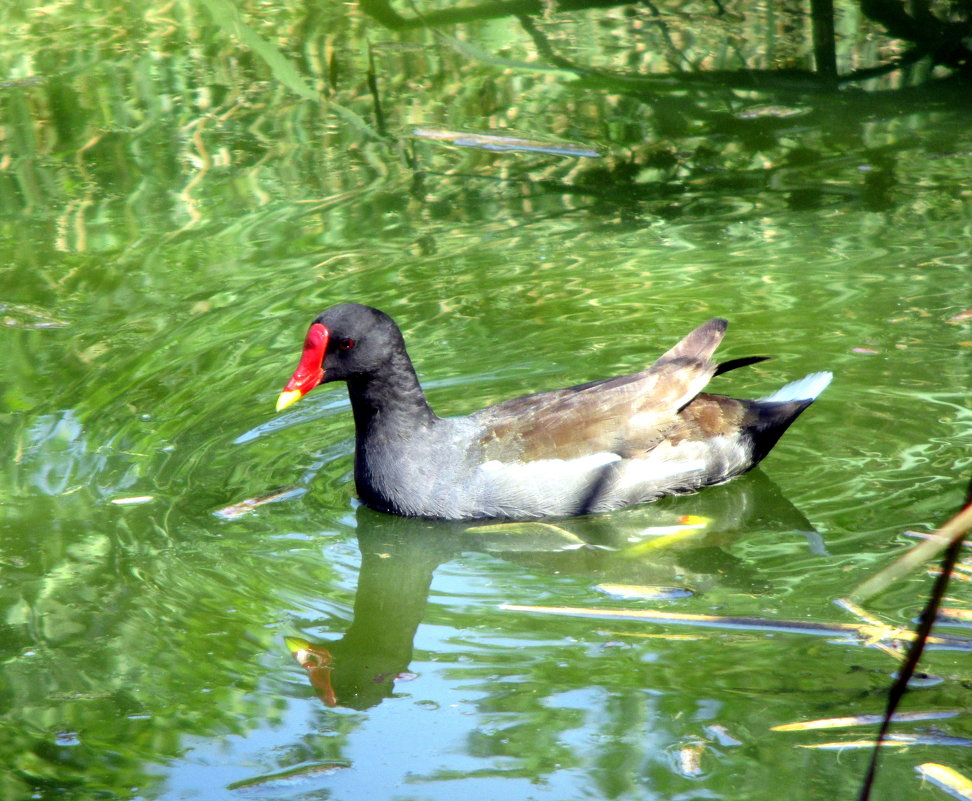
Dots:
{"x": 626, "y": 415}
{"x": 700, "y": 344}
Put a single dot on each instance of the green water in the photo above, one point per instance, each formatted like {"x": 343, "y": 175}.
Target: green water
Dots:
{"x": 180, "y": 197}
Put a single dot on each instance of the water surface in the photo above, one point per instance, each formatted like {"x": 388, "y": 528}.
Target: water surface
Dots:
{"x": 177, "y": 206}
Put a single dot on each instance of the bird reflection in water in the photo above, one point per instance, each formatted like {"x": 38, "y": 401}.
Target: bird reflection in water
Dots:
{"x": 399, "y": 557}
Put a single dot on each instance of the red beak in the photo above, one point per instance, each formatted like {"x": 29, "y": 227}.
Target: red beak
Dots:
{"x": 309, "y": 372}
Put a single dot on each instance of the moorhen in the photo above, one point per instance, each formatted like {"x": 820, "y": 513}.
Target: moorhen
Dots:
{"x": 588, "y": 448}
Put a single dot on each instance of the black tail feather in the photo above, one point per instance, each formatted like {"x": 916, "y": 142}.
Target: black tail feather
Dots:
{"x": 733, "y": 364}
{"x": 769, "y": 422}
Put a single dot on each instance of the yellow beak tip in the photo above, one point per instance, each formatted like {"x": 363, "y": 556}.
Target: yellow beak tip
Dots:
{"x": 288, "y": 399}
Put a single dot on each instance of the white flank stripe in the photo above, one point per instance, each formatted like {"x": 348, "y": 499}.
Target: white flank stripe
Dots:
{"x": 654, "y": 471}
{"x": 553, "y": 468}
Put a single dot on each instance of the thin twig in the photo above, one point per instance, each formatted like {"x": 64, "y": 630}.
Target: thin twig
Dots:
{"x": 928, "y": 615}
{"x": 373, "y": 88}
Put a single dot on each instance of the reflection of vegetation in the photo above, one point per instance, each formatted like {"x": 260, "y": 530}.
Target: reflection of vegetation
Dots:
{"x": 938, "y": 33}
{"x": 705, "y": 109}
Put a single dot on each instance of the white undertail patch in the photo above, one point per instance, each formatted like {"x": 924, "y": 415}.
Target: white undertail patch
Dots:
{"x": 806, "y": 388}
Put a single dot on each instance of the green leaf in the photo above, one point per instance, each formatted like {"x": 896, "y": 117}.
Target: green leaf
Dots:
{"x": 228, "y": 17}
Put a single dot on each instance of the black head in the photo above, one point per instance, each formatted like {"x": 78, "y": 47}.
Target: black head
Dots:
{"x": 346, "y": 342}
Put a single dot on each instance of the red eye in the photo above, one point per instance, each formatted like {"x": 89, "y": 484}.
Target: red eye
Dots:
{"x": 345, "y": 344}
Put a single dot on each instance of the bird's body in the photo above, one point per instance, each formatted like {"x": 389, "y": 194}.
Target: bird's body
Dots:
{"x": 588, "y": 448}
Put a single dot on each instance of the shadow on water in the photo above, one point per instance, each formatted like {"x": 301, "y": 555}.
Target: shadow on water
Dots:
{"x": 399, "y": 557}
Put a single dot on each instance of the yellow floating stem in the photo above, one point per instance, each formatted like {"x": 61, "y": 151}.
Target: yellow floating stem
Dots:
{"x": 132, "y": 501}
{"x": 953, "y": 530}
{"x": 854, "y": 744}
{"x": 527, "y": 536}
{"x": 947, "y": 779}
{"x": 863, "y": 720}
{"x": 861, "y": 614}
{"x": 643, "y": 592}
{"x": 948, "y": 613}
{"x": 859, "y": 630}
{"x": 516, "y": 529}
{"x": 649, "y": 636}
{"x": 243, "y": 507}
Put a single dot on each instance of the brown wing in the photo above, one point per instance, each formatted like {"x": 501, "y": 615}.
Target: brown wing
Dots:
{"x": 624, "y": 415}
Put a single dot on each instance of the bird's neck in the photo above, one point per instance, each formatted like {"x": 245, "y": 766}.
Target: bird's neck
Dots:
{"x": 389, "y": 403}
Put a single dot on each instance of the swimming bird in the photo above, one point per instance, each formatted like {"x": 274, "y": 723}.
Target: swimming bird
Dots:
{"x": 588, "y": 448}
